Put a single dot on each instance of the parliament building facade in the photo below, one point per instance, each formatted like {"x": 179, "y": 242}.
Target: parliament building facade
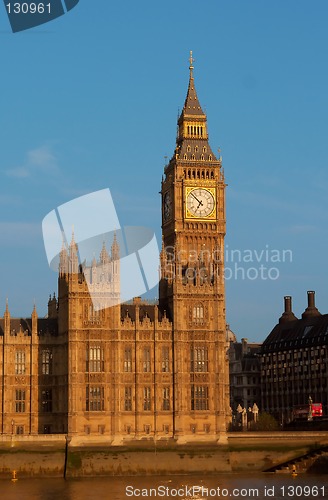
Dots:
{"x": 134, "y": 370}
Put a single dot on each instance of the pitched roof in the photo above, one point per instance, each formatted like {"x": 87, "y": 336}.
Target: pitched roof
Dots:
{"x": 192, "y": 105}
{"x": 305, "y": 332}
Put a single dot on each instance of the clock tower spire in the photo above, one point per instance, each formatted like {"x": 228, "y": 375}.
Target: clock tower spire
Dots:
{"x": 192, "y": 125}
{"x": 192, "y": 272}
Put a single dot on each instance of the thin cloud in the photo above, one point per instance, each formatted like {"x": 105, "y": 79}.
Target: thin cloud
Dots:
{"x": 39, "y": 160}
{"x": 19, "y": 172}
{"x": 73, "y": 192}
{"x": 302, "y": 229}
{"x": 19, "y": 234}
{"x": 261, "y": 200}
{"x": 6, "y": 199}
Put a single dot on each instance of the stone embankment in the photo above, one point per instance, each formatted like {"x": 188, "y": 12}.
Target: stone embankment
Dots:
{"x": 57, "y": 456}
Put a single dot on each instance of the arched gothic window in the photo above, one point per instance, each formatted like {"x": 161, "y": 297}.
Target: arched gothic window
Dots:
{"x": 198, "y": 314}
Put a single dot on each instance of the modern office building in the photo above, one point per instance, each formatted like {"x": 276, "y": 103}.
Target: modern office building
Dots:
{"x": 294, "y": 361}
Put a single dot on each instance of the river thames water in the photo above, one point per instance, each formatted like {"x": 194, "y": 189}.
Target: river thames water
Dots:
{"x": 248, "y": 486}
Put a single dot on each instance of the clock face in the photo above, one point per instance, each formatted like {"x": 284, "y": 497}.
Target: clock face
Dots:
{"x": 200, "y": 203}
{"x": 167, "y": 205}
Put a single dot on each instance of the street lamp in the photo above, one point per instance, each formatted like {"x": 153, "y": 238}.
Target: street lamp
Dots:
{"x": 310, "y": 408}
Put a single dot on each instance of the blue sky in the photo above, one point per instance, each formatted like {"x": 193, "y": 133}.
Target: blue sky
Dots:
{"x": 90, "y": 101}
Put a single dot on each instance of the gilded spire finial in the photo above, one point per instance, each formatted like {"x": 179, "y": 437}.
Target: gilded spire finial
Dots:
{"x": 73, "y": 242}
{"x": 191, "y": 67}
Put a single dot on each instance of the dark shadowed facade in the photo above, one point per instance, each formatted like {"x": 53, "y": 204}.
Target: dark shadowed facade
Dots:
{"x": 294, "y": 361}
{"x": 245, "y": 374}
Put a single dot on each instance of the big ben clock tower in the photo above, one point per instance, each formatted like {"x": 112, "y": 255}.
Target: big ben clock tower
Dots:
{"x": 192, "y": 276}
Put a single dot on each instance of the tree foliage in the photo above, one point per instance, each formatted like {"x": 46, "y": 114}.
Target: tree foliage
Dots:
{"x": 266, "y": 422}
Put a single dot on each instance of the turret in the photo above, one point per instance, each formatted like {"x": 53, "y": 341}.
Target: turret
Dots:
{"x": 192, "y": 139}
{"x": 6, "y": 318}
{"x": 73, "y": 256}
{"x": 192, "y": 121}
{"x": 94, "y": 270}
{"x": 34, "y": 322}
{"x": 52, "y": 307}
{"x": 104, "y": 256}
{"x": 115, "y": 249}
{"x": 115, "y": 254}
{"x": 63, "y": 260}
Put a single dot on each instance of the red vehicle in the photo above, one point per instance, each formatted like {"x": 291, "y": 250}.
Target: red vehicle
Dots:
{"x": 307, "y": 412}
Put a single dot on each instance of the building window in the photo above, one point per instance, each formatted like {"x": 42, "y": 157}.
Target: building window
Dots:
{"x": 198, "y": 314}
{"x": 146, "y": 359}
{"x": 128, "y": 399}
{"x": 199, "y": 359}
{"x": 165, "y": 359}
{"x": 94, "y": 398}
{"x": 20, "y": 429}
{"x": 46, "y": 362}
{"x": 95, "y": 359}
{"x": 199, "y": 397}
{"x": 94, "y": 314}
{"x": 20, "y": 401}
{"x": 166, "y": 398}
{"x": 166, "y": 429}
{"x": 147, "y": 400}
{"x": 20, "y": 362}
{"x": 128, "y": 359}
{"x": 147, "y": 429}
{"x": 46, "y": 401}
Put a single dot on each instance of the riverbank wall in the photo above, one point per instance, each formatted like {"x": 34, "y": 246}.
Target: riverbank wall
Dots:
{"x": 59, "y": 456}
